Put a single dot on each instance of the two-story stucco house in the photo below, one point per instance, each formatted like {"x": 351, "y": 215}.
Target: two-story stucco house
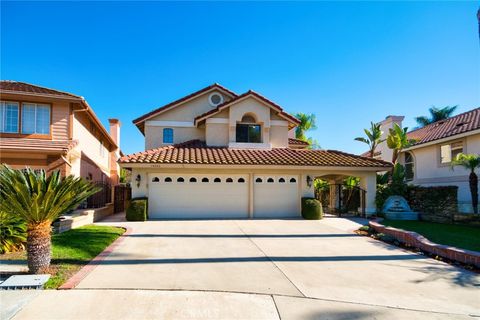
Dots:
{"x": 428, "y": 161}
{"x": 49, "y": 129}
{"x": 216, "y": 154}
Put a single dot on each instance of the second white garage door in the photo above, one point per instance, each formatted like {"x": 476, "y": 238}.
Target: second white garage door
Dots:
{"x": 197, "y": 196}
{"x": 275, "y": 196}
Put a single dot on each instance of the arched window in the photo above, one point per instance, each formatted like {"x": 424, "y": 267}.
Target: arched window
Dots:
{"x": 293, "y": 180}
{"x": 155, "y": 179}
{"x": 217, "y": 180}
{"x": 168, "y": 179}
{"x": 248, "y": 130}
{"x": 205, "y": 180}
{"x": 258, "y": 180}
{"x": 241, "y": 180}
{"x": 192, "y": 179}
{"x": 270, "y": 180}
{"x": 229, "y": 180}
{"x": 180, "y": 179}
{"x": 409, "y": 166}
{"x": 167, "y": 135}
{"x": 281, "y": 180}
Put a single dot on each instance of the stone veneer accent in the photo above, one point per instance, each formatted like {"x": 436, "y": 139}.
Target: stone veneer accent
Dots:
{"x": 416, "y": 240}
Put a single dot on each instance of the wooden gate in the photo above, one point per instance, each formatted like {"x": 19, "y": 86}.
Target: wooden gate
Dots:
{"x": 121, "y": 195}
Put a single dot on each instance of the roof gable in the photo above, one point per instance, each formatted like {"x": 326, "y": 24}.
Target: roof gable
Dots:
{"x": 10, "y": 86}
{"x": 139, "y": 122}
{"x": 249, "y": 94}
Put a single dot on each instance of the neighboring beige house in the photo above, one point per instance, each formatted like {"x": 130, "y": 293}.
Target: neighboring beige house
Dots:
{"x": 216, "y": 154}
{"x": 428, "y": 161}
{"x": 48, "y": 129}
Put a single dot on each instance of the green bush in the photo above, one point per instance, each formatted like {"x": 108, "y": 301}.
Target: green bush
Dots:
{"x": 137, "y": 210}
{"x": 311, "y": 209}
{"x": 13, "y": 233}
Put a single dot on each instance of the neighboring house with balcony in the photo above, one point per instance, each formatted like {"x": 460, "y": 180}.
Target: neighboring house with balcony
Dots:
{"x": 48, "y": 129}
{"x": 428, "y": 161}
{"x": 217, "y": 154}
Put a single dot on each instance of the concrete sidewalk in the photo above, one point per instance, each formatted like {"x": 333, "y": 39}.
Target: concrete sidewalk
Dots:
{"x": 156, "y": 304}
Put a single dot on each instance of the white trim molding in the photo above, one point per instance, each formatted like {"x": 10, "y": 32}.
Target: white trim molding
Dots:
{"x": 161, "y": 123}
{"x": 217, "y": 120}
{"x": 248, "y": 145}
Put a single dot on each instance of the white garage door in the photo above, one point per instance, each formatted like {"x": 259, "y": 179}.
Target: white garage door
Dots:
{"x": 197, "y": 196}
{"x": 275, "y": 196}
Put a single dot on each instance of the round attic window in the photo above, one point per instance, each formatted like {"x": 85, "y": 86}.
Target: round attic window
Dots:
{"x": 215, "y": 99}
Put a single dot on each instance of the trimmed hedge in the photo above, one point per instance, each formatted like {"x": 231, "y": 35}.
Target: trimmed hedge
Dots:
{"x": 137, "y": 210}
{"x": 311, "y": 209}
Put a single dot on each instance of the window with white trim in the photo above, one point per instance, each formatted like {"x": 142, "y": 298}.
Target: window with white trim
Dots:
{"x": 9, "y": 112}
{"x": 409, "y": 166}
{"x": 167, "y": 135}
{"x": 102, "y": 150}
{"x": 449, "y": 152}
{"x": 35, "y": 118}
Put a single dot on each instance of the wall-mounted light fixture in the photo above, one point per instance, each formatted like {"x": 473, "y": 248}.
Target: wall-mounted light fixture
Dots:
{"x": 138, "y": 179}
{"x": 309, "y": 181}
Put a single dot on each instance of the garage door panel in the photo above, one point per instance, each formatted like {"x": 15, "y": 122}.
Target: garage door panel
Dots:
{"x": 198, "y": 199}
{"x": 275, "y": 196}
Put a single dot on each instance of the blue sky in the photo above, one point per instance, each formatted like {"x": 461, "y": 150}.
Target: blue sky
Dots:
{"x": 347, "y": 62}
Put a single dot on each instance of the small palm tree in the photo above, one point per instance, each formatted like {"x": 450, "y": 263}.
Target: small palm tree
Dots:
{"x": 39, "y": 200}
{"x": 398, "y": 140}
{"x": 307, "y": 122}
{"x": 373, "y": 138}
{"x": 436, "y": 114}
{"x": 470, "y": 162}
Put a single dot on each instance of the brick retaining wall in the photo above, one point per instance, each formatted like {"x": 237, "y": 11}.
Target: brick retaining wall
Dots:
{"x": 418, "y": 241}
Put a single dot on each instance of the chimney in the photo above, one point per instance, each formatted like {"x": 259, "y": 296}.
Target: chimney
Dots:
{"x": 385, "y": 126}
{"x": 114, "y": 155}
{"x": 115, "y": 130}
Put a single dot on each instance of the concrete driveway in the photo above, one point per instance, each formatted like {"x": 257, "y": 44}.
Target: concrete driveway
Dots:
{"x": 268, "y": 269}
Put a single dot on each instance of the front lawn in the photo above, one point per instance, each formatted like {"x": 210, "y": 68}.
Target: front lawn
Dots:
{"x": 73, "y": 249}
{"x": 460, "y": 236}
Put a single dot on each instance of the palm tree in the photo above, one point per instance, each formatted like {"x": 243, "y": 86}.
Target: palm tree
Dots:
{"x": 373, "y": 138}
{"x": 39, "y": 200}
{"x": 398, "y": 140}
{"x": 436, "y": 114}
{"x": 470, "y": 162}
{"x": 307, "y": 122}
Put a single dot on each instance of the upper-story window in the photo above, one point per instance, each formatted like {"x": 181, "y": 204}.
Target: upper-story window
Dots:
{"x": 102, "y": 150}
{"x": 35, "y": 118}
{"x": 9, "y": 117}
{"x": 450, "y": 151}
{"x": 409, "y": 166}
{"x": 168, "y": 135}
{"x": 248, "y": 130}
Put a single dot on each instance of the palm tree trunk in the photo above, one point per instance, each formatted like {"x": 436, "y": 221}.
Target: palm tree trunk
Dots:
{"x": 38, "y": 247}
{"x": 473, "y": 179}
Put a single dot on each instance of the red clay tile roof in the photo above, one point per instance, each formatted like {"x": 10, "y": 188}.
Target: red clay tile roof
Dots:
{"x": 297, "y": 142}
{"x": 22, "y": 87}
{"x": 367, "y": 154}
{"x": 40, "y": 145}
{"x": 196, "y": 152}
{"x": 252, "y": 93}
{"x": 462, "y": 123}
{"x": 171, "y": 104}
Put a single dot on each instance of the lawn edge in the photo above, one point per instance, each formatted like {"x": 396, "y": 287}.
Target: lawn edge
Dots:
{"x": 74, "y": 280}
{"x": 415, "y": 239}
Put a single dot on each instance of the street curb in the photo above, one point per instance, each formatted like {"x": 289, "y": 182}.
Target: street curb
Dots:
{"x": 73, "y": 281}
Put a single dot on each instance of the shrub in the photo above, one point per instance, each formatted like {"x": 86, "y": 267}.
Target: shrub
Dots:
{"x": 137, "y": 210}
{"x": 311, "y": 209}
{"x": 13, "y": 233}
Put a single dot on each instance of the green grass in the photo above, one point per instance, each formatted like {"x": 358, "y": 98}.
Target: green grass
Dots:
{"x": 465, "y": 237}
{"x": 72, "y": 250}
